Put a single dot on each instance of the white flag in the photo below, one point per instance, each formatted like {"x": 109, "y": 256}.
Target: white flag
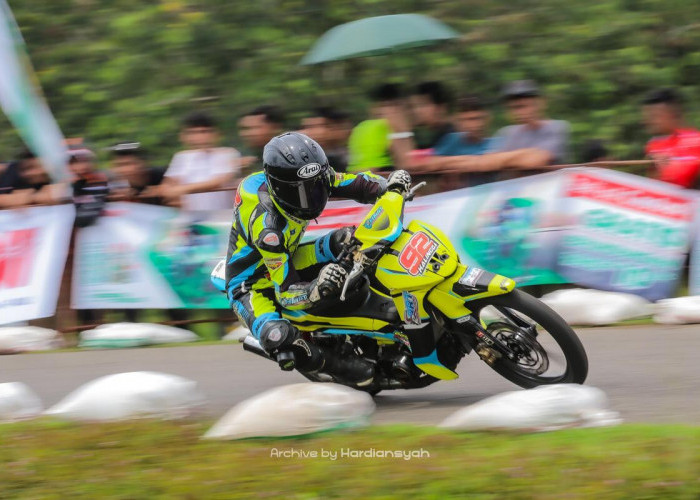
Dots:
{"x": 22, "y": 101}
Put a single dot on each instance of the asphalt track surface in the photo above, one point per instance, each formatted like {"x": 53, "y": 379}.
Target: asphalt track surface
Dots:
{"x": 651, "y": 373}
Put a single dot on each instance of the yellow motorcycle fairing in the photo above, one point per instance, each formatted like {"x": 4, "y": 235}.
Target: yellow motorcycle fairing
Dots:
{"x": 420, "y": 258}
{"x": 383, "y": 224}
{"x": 452, "y": 296}
{"x": 421, "y": 266}
{"x": 308, "y": 322}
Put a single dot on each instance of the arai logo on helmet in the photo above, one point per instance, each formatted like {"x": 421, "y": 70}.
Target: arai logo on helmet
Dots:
{"x": 309, "y": 170}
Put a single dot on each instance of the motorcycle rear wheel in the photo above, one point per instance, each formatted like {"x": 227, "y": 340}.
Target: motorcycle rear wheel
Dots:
{"x": 543, "y": 319}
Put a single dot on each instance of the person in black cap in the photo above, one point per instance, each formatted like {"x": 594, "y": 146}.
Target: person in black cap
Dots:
{"x": 526, "y": 108}
{"x": 132, "y": 178}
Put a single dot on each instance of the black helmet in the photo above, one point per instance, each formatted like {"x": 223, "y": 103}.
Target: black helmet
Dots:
{"x": 298, "y": 174}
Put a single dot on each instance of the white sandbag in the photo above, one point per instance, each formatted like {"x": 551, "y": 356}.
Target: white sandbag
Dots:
{"x": 594, "y": 307}
{"x": 15, "y": 339}
{"x": 294, "y": 410}
{"x": 545, "y": 408}
{"x": 18, "y": 402}
{"x": 677, "y": 311}
{"x": 238, "y": 333}
{"x": 131, "y": 395}
{"x": 118, "y": 335}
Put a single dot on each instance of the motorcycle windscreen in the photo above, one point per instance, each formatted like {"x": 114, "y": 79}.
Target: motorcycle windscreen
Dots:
{"x": 384, "y": 223}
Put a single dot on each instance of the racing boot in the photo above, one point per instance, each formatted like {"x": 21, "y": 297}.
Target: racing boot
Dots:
{"x": 351, "y": 369}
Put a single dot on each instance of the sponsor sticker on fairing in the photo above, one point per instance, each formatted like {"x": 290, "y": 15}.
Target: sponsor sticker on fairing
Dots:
{"x": 464, "y": 319}
{"x": 372, "y": 218}
{"x": 412, "y": 313}
{"x": 471, "y": 276}
{"x": 402, "y": 338}
{"x": 417, "y": 253}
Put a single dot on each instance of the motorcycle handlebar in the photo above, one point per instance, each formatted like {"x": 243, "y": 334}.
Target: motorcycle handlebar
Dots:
{"x": 349, "y": 250}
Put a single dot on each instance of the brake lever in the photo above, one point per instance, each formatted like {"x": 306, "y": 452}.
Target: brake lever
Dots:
{"x": 357, "y": 269}
{"x": 412, "y": 191}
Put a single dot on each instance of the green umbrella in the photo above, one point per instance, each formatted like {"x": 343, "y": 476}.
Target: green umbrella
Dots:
{"x": 378, "y": 35}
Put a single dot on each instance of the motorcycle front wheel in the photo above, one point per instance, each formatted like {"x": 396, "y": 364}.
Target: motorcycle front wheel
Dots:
{"x": 545, "y": 349}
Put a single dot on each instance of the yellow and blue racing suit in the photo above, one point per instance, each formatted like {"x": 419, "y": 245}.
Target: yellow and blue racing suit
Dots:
{"x": 265, "y": 264}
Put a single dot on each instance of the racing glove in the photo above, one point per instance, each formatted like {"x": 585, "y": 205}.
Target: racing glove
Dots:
{"x": 340, "y": 238}
{"x": 329, "y": 282}
{"x": 400, "y": 182}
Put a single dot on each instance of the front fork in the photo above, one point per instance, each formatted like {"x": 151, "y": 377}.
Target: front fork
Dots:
{"x": 451, "y": 298}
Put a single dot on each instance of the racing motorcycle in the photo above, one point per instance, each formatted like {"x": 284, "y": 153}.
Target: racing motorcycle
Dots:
{"x": 404, "y": 283}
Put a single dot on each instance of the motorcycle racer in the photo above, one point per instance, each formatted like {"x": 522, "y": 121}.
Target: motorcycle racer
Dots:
{"x": 267, "y": 269}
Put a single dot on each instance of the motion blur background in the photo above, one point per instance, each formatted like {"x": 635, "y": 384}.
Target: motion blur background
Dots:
{"x": 200, "y": 87}
{"x": 119, "y": 70}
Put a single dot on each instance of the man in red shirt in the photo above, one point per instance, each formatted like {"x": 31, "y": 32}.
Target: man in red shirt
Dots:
{"x": 676, "y": 150}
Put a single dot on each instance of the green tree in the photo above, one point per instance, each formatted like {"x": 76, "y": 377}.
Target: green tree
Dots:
{"x": 122, "y": 69}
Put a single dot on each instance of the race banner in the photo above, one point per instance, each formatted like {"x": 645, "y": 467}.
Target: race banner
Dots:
{"x": 624, "y": 233}
{"x": 21, "y": 99}
{"x": 145, "y": 256}
{"x": 33, "y": 249}
{"x": 513, "y": 228}
{"x": 596, "y": 228}
{"x": 510, "y": 227}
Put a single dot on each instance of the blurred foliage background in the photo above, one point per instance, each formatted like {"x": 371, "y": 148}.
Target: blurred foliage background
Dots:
{"x": 128, "y": 70}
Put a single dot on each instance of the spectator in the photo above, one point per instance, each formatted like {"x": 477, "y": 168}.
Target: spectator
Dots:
{"x": 532, "y": 130}
{"x": 331, "y": 129}
{"x": 316, "y": 125}
{"x": 26, "y": 182}
{"x": 472, "y": 121}
{"x": 90, "y": 186}
{"x": 90, "y": 191}
{"x": 385, "y": 140}
{"x": 469, "y": 152}
{"x": 430, "y": 105}
{"x": 676, "y": 149}
{"x": 339, "y": 129}
{"x": 594, "y": 150}
{"x": 133, "y": 179}
{"x": 200, "y": 168}
{"x": 256, "y": 128}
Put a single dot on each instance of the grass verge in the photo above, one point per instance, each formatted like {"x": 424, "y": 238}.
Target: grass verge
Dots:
{"x": 166, "y": 460}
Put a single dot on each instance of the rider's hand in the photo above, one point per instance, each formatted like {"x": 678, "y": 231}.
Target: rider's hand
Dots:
{"x": 329, "y": 282}
{"x": 400, "y": 182}
{"x": 340, "y": 238}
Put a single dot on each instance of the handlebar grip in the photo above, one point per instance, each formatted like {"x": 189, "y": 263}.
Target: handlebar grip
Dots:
{"x": 286, "y": 360}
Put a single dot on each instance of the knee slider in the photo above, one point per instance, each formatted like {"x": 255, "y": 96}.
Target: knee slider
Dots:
{"x": 277, "y": 334}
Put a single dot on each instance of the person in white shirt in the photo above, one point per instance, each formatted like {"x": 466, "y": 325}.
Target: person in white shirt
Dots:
{"x": 201, "y": 168}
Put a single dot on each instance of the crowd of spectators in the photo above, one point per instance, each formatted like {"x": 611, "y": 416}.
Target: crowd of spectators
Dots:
{"x": 447, "y": 141}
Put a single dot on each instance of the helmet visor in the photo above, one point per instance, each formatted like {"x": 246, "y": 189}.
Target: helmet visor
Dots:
{"x": 304, "y": 199}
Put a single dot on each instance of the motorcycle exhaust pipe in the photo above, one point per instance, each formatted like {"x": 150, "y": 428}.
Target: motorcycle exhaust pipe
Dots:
{"x": 251, "y": 344}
